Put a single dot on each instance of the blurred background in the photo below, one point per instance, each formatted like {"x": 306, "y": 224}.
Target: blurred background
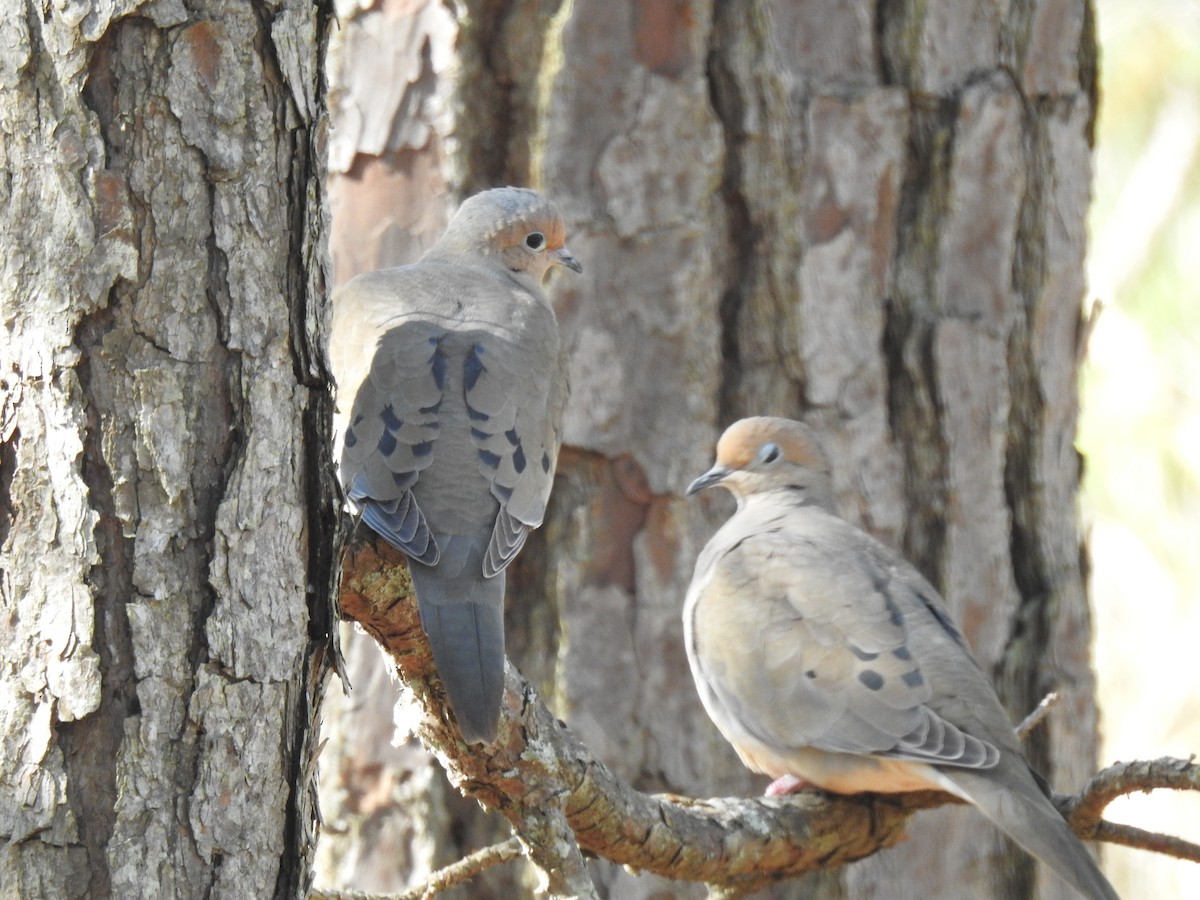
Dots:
{"x": 1139, "y": 430}
{"x": 1140, "y": 425}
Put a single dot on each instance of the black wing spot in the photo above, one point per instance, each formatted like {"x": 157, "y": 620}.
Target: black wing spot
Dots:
{"x": 390, "y": 420}
{"x": 545, "y": 462}
{"x": 902, "y": 653}
{"x": 871, "y": 679}
{"x": 422, "y": 449}
{"x": 864, "y": 655}
{"x": 387, "y": 443}
{"x": 351, "y": 438}
{"x": 897, "y": 616}
{"x": 811, "y": 673}
{"x": 437, "y": 365}
{"x": 489, "y": 459}
{"x": 479, "y": 434}
{"x": 476, "y": 416}
{"x": 914, "y": 678}
{"x": 514, "y": 440}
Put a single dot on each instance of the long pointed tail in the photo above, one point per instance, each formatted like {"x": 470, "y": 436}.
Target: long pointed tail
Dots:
{"x": 463, "y": 615}
{"x": 1009, "y": 796}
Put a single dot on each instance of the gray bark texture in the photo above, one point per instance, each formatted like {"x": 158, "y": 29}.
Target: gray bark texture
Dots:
{"x": 165, "y": 519}
{"x": 866, "y": 215}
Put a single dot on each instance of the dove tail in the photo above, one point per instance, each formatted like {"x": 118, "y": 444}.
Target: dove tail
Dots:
{"x": 1009, "y": 796}
{"x": 463, "y": 615}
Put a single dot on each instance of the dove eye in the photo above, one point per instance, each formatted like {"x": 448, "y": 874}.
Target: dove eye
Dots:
{"x": 769, "y": 453}
{"x": 535, "y": 240}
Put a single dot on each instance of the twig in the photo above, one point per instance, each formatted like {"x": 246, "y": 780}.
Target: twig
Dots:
{"x": 1086, "y": 329}
{"x": 1140, "y": 839}
{"x": 1039, "y": 713}
{"x": 319, "y": 894}
{"x": 465, "y": 869}
{"x": 443, "y": 879}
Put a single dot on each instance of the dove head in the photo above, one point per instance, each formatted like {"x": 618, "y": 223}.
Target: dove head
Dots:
{"x": 517, "y": 227}
{"x": 767, "y": 454}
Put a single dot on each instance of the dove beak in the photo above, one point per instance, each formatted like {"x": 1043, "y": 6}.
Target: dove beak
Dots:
{"x": 563, "y": 257}
{"x": 715, "y": 475}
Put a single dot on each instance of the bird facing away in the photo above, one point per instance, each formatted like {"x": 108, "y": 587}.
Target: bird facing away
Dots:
{"x": 824, "y": 657}
{"x": 451, "y": 388}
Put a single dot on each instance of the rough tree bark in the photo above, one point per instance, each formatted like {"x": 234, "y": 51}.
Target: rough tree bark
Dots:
{"x": 165, "y": 531}
{"x": 868, "y": 215}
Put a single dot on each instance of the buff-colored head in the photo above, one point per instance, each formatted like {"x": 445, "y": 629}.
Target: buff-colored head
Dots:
{"x": 765, "y": 453}
{"x": 517, "y": 227}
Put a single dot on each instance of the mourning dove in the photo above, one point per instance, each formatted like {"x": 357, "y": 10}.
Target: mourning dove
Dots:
{"x": 450, "y": 399}
{"x": 824, "y": 657}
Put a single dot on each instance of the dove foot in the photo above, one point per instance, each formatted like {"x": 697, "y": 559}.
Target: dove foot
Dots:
{"x": 786, "y": 784}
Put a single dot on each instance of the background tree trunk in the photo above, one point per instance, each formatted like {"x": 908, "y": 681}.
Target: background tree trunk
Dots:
{"x": 165, "y": 523}
{"x": 870, "y": 216}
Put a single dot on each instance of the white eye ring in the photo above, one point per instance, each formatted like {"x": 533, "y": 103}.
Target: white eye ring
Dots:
{"x": 535, "y": 240}
{"x": 769, "y": 453}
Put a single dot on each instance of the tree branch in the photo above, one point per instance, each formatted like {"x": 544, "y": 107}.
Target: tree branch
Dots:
{"x": 545, "y": 782}
{"x": 1084, "y": 810}
{"x": 1125, "y": 778}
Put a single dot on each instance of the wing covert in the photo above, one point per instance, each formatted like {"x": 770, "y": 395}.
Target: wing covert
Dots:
{"x": 832, "y": 651}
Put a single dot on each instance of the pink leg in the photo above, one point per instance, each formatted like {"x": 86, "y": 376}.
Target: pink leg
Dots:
{"x": 786, "y": 784}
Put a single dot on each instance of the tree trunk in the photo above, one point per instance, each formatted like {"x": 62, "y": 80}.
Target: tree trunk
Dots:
{"x": 166, "y": 522}
{"x": 869, "y": 216}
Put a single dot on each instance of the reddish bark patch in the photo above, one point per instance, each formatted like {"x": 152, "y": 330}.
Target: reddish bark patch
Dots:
{"x": 619, "y": 510}
{"x": 662, "y": 36}
{"x": 662, "y": 539}
{"x": 201, "y": 42}
{"x": 112, "y": 205}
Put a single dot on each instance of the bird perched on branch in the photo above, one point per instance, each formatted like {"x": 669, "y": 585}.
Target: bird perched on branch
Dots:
{"x": 825, "y": 658}
{"x": 451, "y": 389}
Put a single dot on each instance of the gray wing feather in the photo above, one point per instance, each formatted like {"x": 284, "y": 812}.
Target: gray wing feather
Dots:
{"x": 389, "y": 439}
{"x": 515, "y": 394}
